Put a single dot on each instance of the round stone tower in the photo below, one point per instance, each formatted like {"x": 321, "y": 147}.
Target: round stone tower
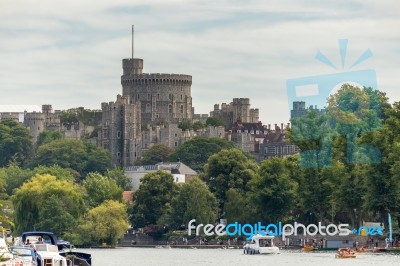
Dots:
{"x": 163, "y": 97}
{"x": 35, "y": 122}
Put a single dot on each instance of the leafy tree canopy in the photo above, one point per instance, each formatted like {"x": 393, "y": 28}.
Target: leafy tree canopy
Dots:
{"x": 32, "y": 196}
{"x": 15, "y": 142}
{"x": 154, "y": 194}
{"x": 101, "y": 188}
{"x": 229, "y": 169}
{"x": 74, "y": 154}
{"x": 196, "y": 151}
{"x": 104, "y": 224}
{"x": 48, "y": 136}
{"x": 157, "y": 153}
{"x": 215, "y": 122}
{"x": 194, "y": 201}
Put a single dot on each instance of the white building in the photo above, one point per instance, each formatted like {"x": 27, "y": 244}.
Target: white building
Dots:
{"x": 180, "y": 172}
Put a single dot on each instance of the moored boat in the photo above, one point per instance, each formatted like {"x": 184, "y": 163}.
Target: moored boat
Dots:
{"x": 50, "y": 252}
{"x": 261, "y": 245}
{"x": 345, "y": 253}
{"x": 308, "y": 248}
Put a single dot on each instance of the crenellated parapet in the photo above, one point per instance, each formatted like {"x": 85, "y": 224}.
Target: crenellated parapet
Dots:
{"x": 156, "y": 79}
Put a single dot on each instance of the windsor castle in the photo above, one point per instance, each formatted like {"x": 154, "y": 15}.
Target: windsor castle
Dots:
{"x": 149, "y": 112}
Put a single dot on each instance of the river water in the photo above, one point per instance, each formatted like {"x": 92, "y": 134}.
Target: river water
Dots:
{"x": 229, "y": 257}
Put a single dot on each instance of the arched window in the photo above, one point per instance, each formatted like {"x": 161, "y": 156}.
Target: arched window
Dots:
{"x": 148, "y": 108}
{"x": 181, "y": 109}
{"x": 170, "y": 108}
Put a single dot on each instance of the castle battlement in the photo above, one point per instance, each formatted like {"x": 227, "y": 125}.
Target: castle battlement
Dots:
{"x": 156, "y": 78}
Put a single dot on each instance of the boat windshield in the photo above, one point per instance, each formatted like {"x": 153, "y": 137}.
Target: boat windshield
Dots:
{"x": 265, "y": 243}
{"x": 46, "y": 247}
{"x": 22, "y": 251}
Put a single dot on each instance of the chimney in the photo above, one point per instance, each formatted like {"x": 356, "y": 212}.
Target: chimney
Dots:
{"x": 281, "y": 126}
{"x": 269, "y": 126}
{"x": 276, "y": 126}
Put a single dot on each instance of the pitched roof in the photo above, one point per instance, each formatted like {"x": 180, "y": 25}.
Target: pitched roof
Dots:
{"x": 174, "y": 167}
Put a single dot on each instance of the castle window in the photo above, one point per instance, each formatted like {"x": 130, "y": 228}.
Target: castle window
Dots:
{"x": 181, "y": 109}
{"x": 181, "y": 97}
{"x": 135, "y": 154}
{"x": 157, "y": 115}
{"x": 176, "y": 144}
{"x": 119, "y": 134}
{"x": 176, "y": 135}
{"x": 239, "y": 131}
{"x": 148, "y": 108}
{"x": 251, "y": 131}
{"x": 257, "y": 132}
{"x": 170, "y": 108}
{"x": 34, "y": 122}
{"x": 138, "y": 96}
{"x": 148, "y": 97}
{"x": 118, "y": 154}
{"x": 158, "y": 96}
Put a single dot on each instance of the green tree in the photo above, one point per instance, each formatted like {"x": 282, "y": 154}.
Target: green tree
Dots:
{"x": 273, "y": 191}
{"x": 98, "y": 159}
{"x": 74, "y": 154}
{"x": 57, "y": 171}
{"x": 194, "y": 201}
{"x": 15, "y": 142}
{"x": 118, "y": 174}
{"x": 215, "y": 122}
{"x": 54, "y": 217}
{"x": 154, "y": 194}
{"x": 101, "y": 188}
{"x": 196, "y": 151}
{"x": 157, "y": 153}
{"x": 382, "y": 180}
{"x": 228, "y": 169}
{"x": 198, "y": 125}
{"x": 69, "y": 118}
{"x": 30, "y": 198}
{"x": 48, "y": 136}
{"x": 185, "y": 125}
{"x": 14, "y": 176}
{"x": 105, "y": 223}
{"x": 237, "y": 207}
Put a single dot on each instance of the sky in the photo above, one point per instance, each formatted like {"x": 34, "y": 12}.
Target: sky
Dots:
{"x": 69, "y": 53}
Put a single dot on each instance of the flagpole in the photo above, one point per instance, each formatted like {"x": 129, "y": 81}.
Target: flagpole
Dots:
{"x": 133, "y": 31}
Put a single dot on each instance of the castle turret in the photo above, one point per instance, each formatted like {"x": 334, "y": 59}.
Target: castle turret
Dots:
{"x": 132, "y": 66}
{"x": 163, "y": 97}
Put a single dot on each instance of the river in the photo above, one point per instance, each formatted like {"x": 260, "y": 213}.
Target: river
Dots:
{"x": 229, "y": 257}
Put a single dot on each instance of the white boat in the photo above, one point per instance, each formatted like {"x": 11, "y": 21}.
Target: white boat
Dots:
{"x": 49, "y": 251}
{"x": 261, "y": 245}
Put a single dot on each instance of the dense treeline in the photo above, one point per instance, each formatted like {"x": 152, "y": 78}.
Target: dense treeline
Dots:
{"x": 59, "y": 185}
{"x": 348, "y": 172}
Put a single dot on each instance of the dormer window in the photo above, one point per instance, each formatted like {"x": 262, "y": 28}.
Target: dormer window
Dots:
{"x": 239, "y": 131}
{"x": 251, "y": 131}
